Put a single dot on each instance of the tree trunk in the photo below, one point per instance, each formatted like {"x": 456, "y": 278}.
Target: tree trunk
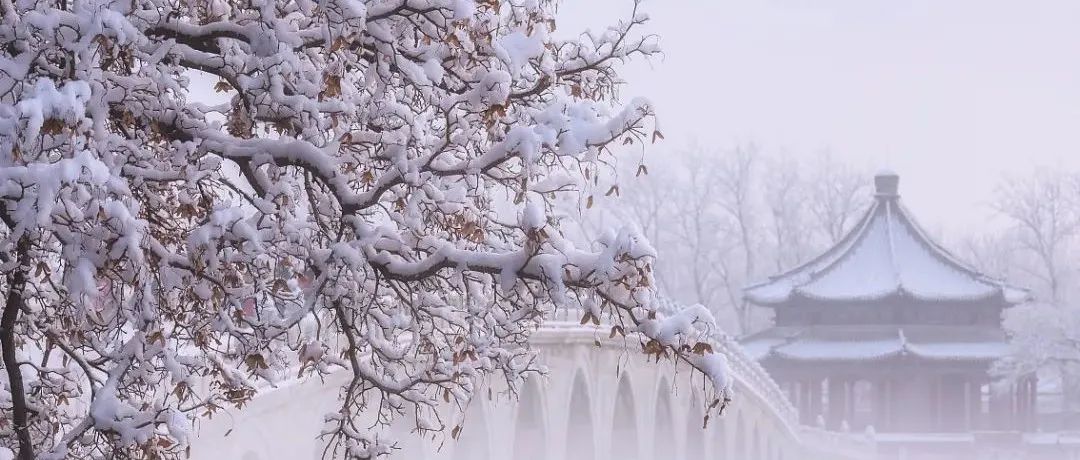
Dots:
{"x": 20, "y": 418}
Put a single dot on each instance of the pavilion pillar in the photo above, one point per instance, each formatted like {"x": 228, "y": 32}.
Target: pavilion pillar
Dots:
{"x": 1010, "y": 406}
{"x": 881, "y": 405}
{"x": 952, "y": 404}
{"x": 935, "y": 422}
{"x": 1033, "y": 399}
{"x": 1000, "y": 409}
{"x": 1026, "y": 395}
{"x": 849, "y": 400}
{"x": 1019, "y": 404}
{"x": 802, "y": 399}
{"x": 974, "y": 405}
{"x": 896, "y": 406}
{"x": 815, "y": 400}
{"x": 837, "y": 408}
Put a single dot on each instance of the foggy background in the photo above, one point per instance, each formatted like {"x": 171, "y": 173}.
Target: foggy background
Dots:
{"x": 950, "y": 95}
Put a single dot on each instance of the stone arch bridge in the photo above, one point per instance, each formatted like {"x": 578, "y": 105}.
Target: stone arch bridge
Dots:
{"x": 598, "y": 403}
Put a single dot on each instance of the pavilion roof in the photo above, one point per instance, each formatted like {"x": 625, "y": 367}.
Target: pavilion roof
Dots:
{"x": 874, "y": 343}
{"x": 885, "y": 255}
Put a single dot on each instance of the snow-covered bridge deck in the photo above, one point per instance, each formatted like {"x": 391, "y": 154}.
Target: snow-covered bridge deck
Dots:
{"x": 597, "y": 403}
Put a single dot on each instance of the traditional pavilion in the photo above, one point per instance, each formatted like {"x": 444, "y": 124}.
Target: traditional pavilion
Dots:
{"x": 888, "y": 329}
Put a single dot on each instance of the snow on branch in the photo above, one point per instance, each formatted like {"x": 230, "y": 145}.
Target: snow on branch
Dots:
{"x": 372, "y": 193}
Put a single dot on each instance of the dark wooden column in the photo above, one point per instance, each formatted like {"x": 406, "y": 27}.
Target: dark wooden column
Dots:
{"x": 936, "y": 414}
{"x": 1000, "y": 416}
{"x": 837, "y": 408}
{"x": 815, "y": 400}
{"x": 1033, "y": 398}
{"x": 849, "y": 399}
{"x": 1019, "y": 404}
{"x": 953, "y": 404}
{"x": 1027, "y": 410}
{"x": 974, "y": 405}
{"x": 881, "y": 405}
{"x": 806, "y": 410}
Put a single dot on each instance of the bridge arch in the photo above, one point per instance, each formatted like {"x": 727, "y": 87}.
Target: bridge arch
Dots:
{"x": 755, "y": 443}
{"x": 473, "y": 442}
{"x": 580, "y": 438}
{"x": 625, "y": 443}
{"x": 663, "y": 433}
{"x": 740, "y": 435}
{"x": 530, "y": 435}
{"x": 695, "y": 432}
{"x": 720, "y": 442}
{"x": 406, "y": 441}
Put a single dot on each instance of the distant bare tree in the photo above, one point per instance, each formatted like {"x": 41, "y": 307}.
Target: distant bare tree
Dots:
{"x": 994, "y": 254}
{"x": 697, "y": 231}
{"x": 739, "y": 207}
{"x": 838, "y": 196}
{"x": 736, "y": 181}
{"x": 786, "y": 198}
{"x": 1044, "y": 216}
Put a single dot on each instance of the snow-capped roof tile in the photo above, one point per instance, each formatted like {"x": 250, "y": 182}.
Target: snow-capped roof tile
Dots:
{"x": 886, "y": 254}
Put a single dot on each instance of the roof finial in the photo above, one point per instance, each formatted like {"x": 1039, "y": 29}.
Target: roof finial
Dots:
{"x": 886, "y": 184}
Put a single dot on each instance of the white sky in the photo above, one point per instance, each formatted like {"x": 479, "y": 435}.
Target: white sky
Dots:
{"x": 952, "y": 95}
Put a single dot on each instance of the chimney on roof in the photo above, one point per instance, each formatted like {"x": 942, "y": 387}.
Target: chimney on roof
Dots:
{"x": 886, "y": 184}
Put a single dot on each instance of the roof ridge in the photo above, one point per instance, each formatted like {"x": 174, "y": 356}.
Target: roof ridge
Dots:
{"x": 944, "y": 255}
{"x": 892, "y": 244}
{"x": 844, "y": 243}
{"x": 858, "y": 235}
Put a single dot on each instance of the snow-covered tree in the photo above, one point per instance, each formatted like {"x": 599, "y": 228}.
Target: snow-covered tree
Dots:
{"x": 373, "y": 196}
{"x": 1037, "y": 249}
{"x": 1044, "y": 340}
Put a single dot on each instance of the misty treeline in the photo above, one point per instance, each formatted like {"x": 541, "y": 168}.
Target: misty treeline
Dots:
{"x": 721, "y": 218}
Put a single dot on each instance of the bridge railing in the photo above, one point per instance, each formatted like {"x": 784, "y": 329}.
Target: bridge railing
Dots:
{"x": 755, "y": 377}
{"x": 752, "y": 377}
{"x": 745, "y": 368}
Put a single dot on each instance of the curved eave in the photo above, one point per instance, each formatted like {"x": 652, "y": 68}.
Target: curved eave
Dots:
{"x": 1002, "y": 289}
{"x": 900, "y": 294}
{"x": 905, "y": 355}
{"x": 766, "y": 301}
